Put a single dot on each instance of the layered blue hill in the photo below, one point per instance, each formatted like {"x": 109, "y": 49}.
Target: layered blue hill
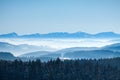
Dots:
{"x": 7, "y": 56}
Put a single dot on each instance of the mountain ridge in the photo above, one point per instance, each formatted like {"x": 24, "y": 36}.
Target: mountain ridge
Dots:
{"x": 63, "y": 35}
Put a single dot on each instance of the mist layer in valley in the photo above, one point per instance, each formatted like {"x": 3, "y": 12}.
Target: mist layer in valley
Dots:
{"x": 20, "y": 46}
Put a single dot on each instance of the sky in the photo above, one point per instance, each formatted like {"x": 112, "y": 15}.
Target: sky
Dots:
{"x": 45, "y": 16}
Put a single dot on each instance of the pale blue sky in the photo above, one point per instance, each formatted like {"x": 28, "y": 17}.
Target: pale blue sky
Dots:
{"x": 44, "y": 16}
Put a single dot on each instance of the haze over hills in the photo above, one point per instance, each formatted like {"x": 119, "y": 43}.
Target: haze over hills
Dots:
{"x": 22, "y": 48}
{"x": 36, "y": 54}
{"x": 109, "y": 51}
{"x": 10, "y": 56}
{"x": 63, "y": 35}
{"x": 80, "y": 52}
{"x": 113, "y": 47}
{"x": 68, "y": 46}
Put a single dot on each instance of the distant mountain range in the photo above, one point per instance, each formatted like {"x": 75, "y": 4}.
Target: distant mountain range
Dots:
{"x": 63, "y": 35}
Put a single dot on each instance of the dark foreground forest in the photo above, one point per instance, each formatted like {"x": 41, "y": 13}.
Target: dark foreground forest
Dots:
{"x": 102, "y": 69}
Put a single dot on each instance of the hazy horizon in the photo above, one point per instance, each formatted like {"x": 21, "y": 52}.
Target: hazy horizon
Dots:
{"x": 57, "y": 44}
{"x": 29, "y": 16}
{"x": 57, "y": 32}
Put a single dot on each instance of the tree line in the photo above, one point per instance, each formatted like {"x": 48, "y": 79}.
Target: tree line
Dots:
{"x": 102, "y": 69}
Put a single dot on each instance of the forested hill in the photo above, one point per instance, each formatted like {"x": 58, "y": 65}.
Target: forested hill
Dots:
{"x": 102, "y": 69}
